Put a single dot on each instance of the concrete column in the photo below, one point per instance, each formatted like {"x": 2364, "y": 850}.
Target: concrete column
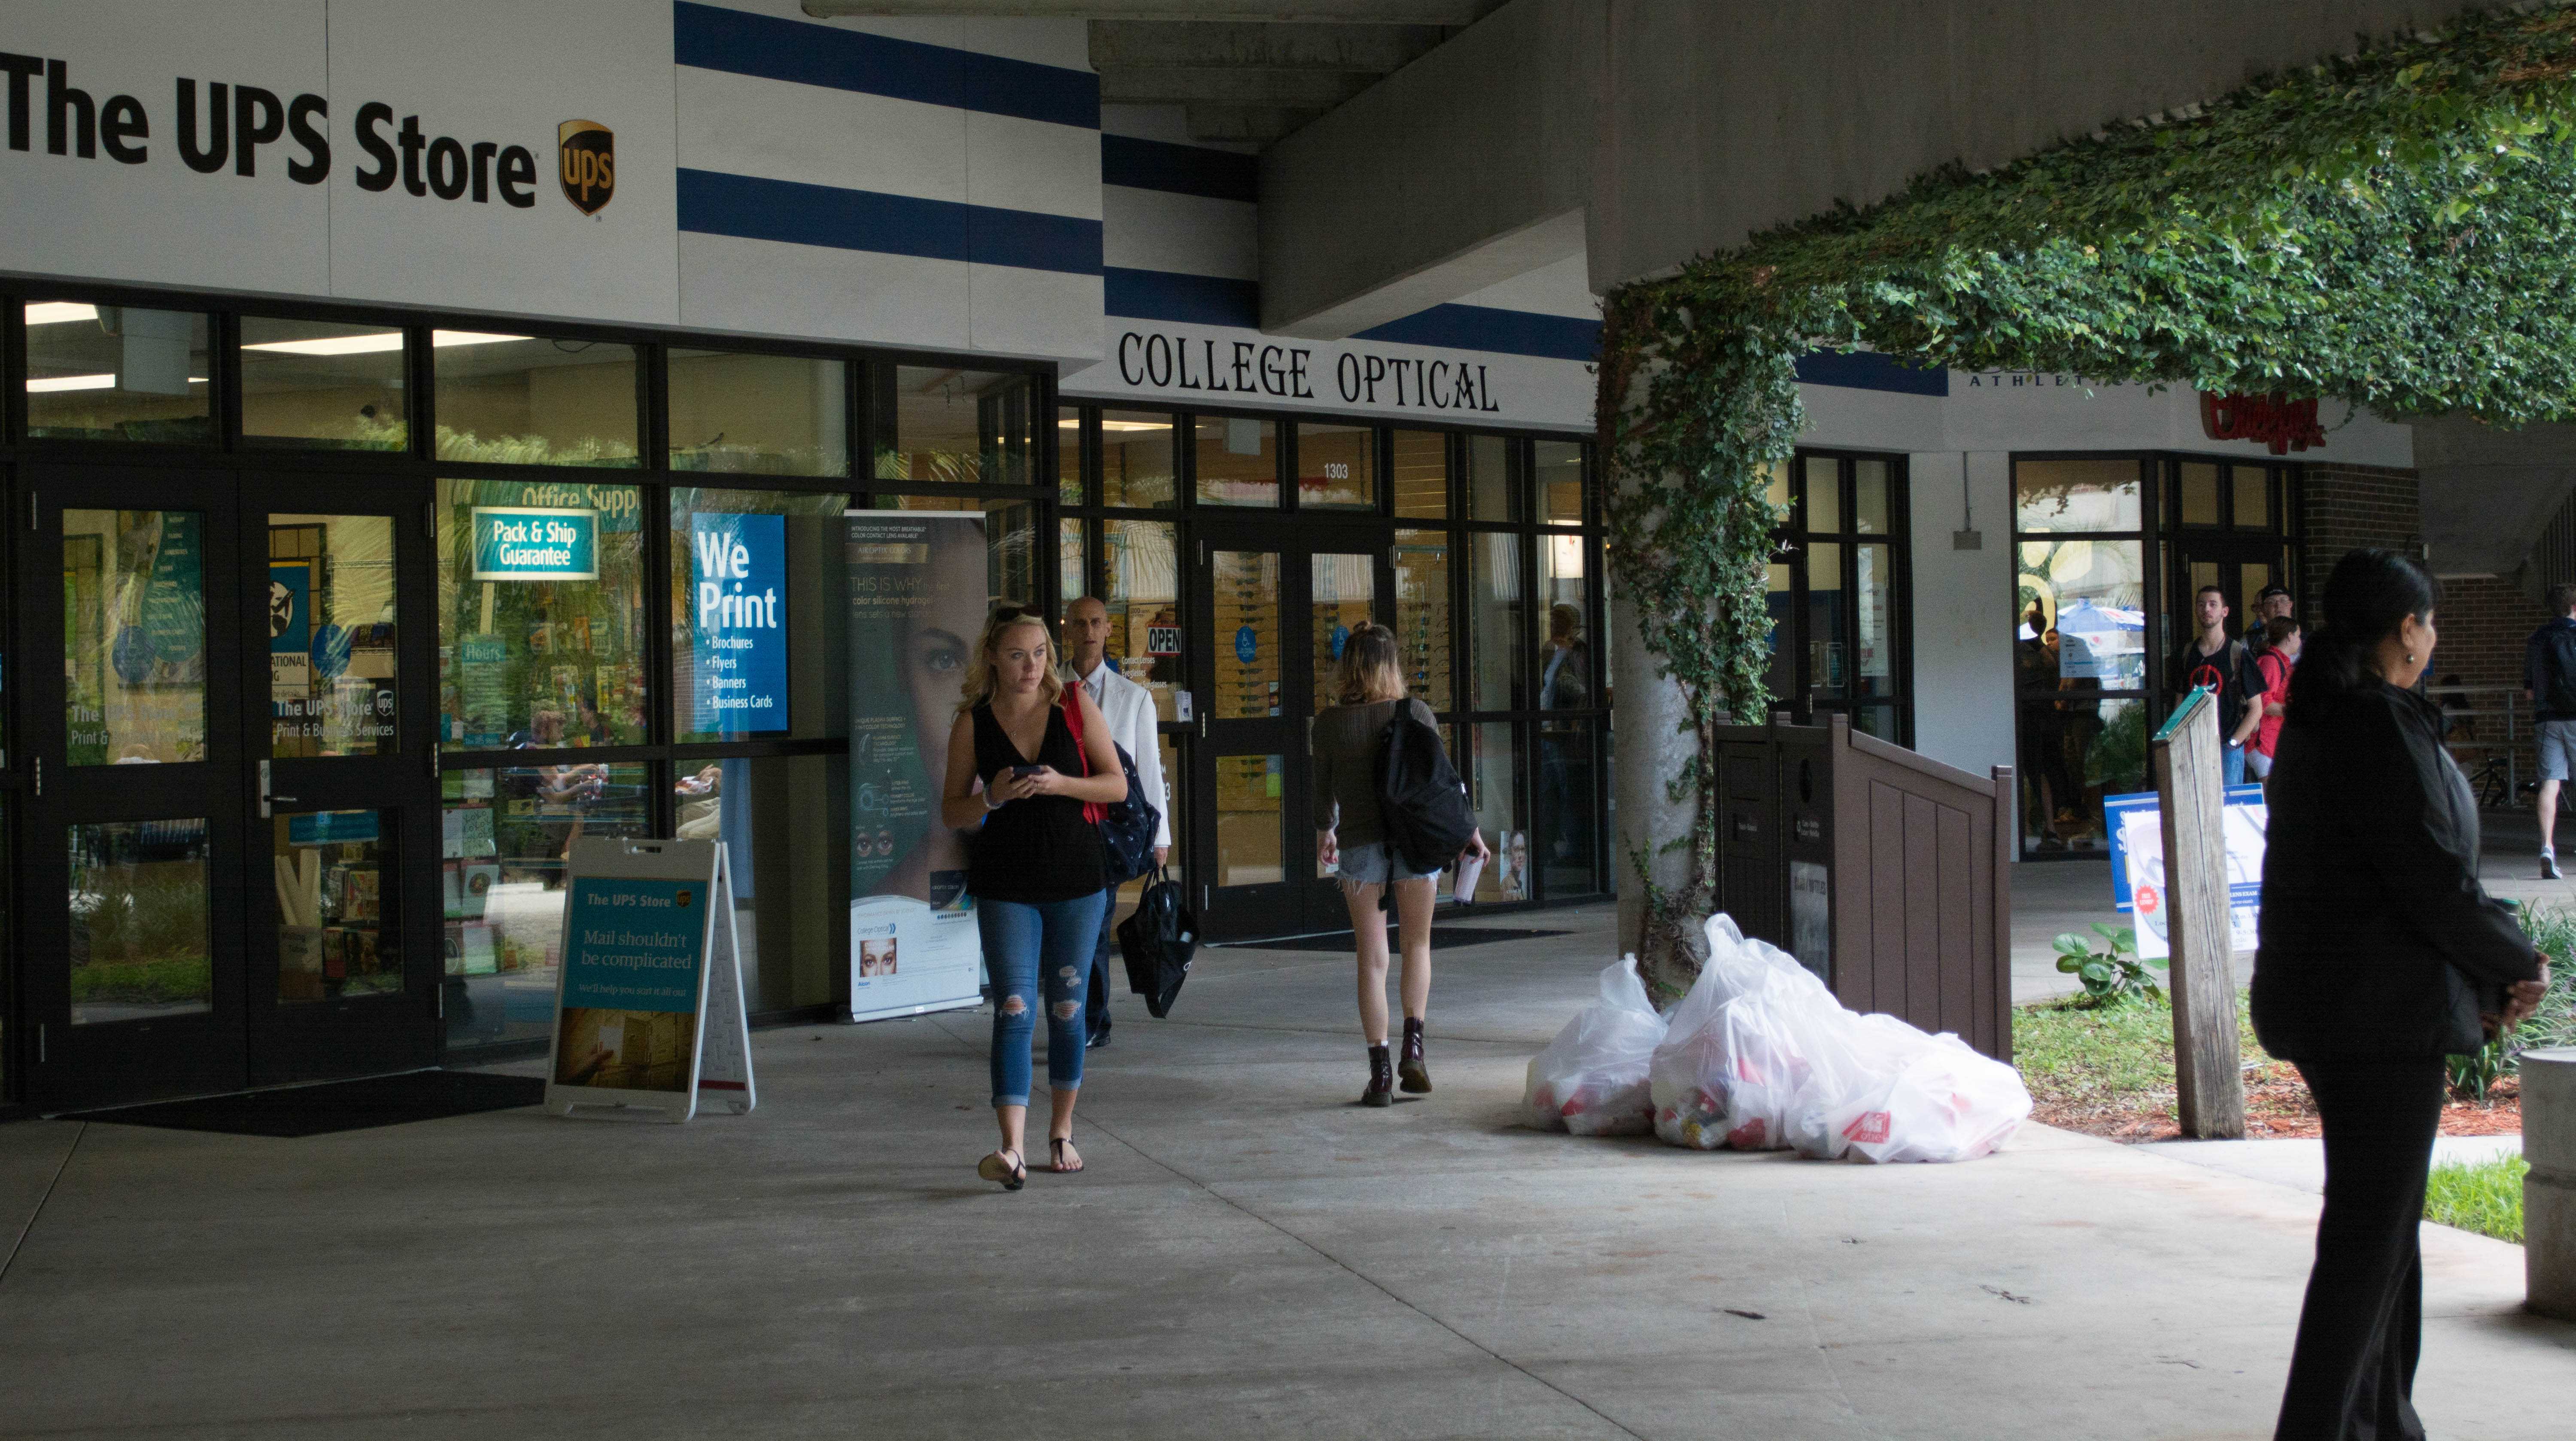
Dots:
{"x": 2549, "y": 1192}
{"x": 1650, "y": 743}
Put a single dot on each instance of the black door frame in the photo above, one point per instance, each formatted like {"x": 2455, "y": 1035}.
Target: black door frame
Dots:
{"x": 179, "y": 1054}
{"x": 1302, "y": 901}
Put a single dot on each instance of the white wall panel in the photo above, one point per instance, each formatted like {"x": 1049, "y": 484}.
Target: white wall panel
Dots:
{"x": 766, "y": 287}
{"x": 1041, "y": 313}
{"x": 775, "y": 130}
{"x": 1962, "y": 608}
{"x": 1016, "y": 164}
{"x": 1190, "y": 234}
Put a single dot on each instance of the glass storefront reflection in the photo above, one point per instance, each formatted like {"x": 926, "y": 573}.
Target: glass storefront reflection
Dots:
{"x": 331, "y": 635}
{"x": 336, "y": 887}
{"x": 2074, "y": 751}
{"x": 142, "y": 941}
{"x": 501, "y": 872}
{"x": 790, "y": 894}
{"x": 541, "y": 614}
{"x": 117, "y": 372}
{"x": 134, "y": 635}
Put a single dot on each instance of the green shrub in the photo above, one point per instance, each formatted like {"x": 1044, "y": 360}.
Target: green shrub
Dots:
{"x": 2480, "y": 1196}
{"x": 2553, "y": 930}
{"x": 2111, "y": 975}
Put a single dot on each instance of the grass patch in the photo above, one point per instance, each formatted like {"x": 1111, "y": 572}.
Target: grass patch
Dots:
{"x": 2480, "y": 1196}
{"x": 176, "y": 978}
{"x": 2109, "y": 1069}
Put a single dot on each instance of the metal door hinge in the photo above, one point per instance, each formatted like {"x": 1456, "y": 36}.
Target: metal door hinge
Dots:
{"x": 40, "y": 775}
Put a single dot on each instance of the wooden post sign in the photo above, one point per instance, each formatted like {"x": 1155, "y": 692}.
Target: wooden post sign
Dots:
{"x": 648, "y": 1000}
{"x": 2191, "y": 796}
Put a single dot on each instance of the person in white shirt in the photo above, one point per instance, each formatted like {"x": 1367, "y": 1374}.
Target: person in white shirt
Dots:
{"x": 1129, "y": 708}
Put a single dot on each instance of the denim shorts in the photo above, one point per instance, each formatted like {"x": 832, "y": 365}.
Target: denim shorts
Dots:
{"x": 1375, "y": 864}
{"x": 2557, "y": 748}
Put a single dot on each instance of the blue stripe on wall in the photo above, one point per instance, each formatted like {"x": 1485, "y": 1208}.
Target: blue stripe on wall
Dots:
{"x": 1180, "y": 169}
{"x": 713, "y": 203}
{"x": 1482, "y": 327}
{"x": 712, "y": 38}
{"x": 1185, "y": 299}
{"x": 1868, "y": 370}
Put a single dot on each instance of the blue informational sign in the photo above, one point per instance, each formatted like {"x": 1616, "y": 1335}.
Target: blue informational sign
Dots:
{"x": 634, "y": 945}
{"x": 2117, "y": 812}
{"x": 1247, "y": 646}
{"x": 1339, "y": 637}
{"x": 325, "y": 828}
{"x": 290, "y": 608}
{"x": 738, "y": 623}
{"x": 522, "y": 542}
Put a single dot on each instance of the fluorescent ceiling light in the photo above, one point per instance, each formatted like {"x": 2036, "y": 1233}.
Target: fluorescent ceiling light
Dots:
{"x": 1116, "y": 425}
{"x": 59, "y": 312}
{"x": 335, "y": 344}
{"x": 445, "y": 338}
{"x": 42, "y": 384}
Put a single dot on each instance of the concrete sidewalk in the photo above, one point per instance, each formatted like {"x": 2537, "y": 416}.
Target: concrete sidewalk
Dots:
{"x": 1250, "y": 1255}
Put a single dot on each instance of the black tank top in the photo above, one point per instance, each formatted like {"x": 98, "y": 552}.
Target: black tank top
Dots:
{"x": 1040, "y": 849}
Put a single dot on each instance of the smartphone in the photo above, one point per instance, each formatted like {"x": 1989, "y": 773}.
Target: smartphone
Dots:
{"x": 1026, "y": 770}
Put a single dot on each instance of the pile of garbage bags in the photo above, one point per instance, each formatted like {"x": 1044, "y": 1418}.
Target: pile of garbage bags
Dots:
{"x": 1759, "y": 1056}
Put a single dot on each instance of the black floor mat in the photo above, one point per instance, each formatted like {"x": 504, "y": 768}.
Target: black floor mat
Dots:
{"x": 1443, "y": 938}
{"x": 336, "y": 1105}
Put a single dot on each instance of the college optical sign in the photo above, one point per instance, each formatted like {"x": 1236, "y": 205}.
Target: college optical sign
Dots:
{"x": 1226, "y": 366}
{"x": 513, "y": 542}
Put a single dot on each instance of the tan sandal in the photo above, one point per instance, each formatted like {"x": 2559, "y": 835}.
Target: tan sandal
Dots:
{"x": 1012, "y": 1174}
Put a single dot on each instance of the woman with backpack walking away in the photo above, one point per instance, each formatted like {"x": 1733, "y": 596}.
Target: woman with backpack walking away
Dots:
{"x": 1352, "y": 836}
{"x": 2380, "y": 955}
{"x": 1048, "y": 768}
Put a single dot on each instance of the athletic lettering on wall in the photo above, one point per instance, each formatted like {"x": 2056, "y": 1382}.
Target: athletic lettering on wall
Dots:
{"x": 217, "y": 125}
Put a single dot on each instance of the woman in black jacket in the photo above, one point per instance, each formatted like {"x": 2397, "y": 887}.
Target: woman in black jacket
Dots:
{"x": 2380, "y": 955}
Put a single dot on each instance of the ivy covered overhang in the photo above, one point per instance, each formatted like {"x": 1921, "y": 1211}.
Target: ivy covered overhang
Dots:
{"x": 2396, "y": 230}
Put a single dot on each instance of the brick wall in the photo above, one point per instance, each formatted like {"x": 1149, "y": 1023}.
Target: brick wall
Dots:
{"x": 2345, "y": 507}
{"x": 2483, "y": 622}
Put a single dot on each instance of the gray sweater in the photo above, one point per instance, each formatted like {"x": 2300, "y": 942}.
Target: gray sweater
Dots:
{"x": 1346, "y": 740}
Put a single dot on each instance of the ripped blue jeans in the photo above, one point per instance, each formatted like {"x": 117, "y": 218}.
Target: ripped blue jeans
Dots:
{"x": 1025, "y": 945}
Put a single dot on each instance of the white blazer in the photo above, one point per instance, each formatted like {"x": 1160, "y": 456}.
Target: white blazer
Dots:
{"x": 1129, "y": 708}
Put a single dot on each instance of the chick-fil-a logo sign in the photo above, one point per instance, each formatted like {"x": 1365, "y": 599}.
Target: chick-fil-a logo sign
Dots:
{"x": 2281, "y": 425}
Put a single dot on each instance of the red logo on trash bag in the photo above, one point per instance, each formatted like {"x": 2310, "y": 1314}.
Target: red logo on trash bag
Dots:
{"x": 1747, "y": 1137}
{"x": 1868, "y": 1128}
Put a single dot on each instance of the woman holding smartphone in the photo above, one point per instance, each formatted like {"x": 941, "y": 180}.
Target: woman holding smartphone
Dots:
{"x": 1032, "y": 763}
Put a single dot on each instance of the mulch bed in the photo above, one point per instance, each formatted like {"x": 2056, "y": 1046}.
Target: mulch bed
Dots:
{"x": 2277, "y": 1105}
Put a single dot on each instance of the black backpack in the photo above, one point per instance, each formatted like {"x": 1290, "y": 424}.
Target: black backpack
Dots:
{"x": 1157, "y": 942}
{"x": 1422, "y": 806}
{"x": 2556, "y": 698}
{"x": 1127, "y": 829}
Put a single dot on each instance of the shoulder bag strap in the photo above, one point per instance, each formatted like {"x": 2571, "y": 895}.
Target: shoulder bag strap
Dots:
{"x": 1092, "y": 811}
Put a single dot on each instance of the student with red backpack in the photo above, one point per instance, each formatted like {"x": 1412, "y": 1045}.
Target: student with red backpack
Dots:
{"x": 2282, "y": 637}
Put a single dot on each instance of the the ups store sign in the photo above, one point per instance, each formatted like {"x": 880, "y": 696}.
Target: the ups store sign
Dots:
{"x": 214, "y": 126}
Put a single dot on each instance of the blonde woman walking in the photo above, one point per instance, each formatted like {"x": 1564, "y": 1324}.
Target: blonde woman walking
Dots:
{"x": 1032, "y": 763}
{"x": 1350, "y": 837}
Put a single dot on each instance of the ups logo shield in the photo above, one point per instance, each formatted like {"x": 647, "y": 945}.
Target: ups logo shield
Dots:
{"x": 588, "y": 154}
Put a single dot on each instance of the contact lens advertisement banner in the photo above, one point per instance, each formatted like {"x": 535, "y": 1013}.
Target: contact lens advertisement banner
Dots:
{"x": 917, "y": 591}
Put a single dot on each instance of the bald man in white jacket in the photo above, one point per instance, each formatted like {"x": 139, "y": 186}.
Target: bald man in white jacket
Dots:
{"x": 1129, "y": 709}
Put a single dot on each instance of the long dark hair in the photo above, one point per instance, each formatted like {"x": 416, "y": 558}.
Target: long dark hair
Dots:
{"x": 2370, "y": 594}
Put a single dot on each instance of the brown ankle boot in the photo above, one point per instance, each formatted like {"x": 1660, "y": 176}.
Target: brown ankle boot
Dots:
{"x": 1417, "y": 1076}
{"x": 1381, "y": 1084}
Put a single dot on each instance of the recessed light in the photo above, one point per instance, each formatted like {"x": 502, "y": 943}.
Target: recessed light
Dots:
{"x": 367, "y": 344}
{"x": 37, "y": 385}
{"x": 442, "y": 339}
{"x": 59, "y": 312}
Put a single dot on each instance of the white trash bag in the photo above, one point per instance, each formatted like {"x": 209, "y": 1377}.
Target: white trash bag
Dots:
{"x": 1760, "y": 1056}
{"x": 1591, "y": 1080}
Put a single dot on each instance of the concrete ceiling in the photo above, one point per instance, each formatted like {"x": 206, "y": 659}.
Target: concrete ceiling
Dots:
{"x": 1238, "y": 70}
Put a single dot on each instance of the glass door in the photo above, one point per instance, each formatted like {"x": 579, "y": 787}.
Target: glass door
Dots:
{"x": 1277, "y": 613}
{"x": 343, "y": 962}
{"x": 132, "y": 917}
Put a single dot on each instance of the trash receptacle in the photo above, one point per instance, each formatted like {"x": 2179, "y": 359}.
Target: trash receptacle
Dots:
{"x": 1885, "y": 872}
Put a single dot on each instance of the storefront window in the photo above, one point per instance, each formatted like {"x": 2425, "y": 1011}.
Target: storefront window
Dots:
{"x": 117, "y": 372}
{"x": 1336, "y": 466}
{"x": 1136, "y": 459}
{"x": 1251, "y": 846}
{"x": 1238, "y": 461}
{"x": 541, "y": 614}
{"x": 1498, "y": 603}
{"x": 758, "y": 414}
{"x": 2252, "y": 489}
{"x": 505, "y": 836}
{"x": 781, "y": 820}
{"x": 142, "y": 943}
{"x": 1869, "y": 496}
{"x": 1836, "y": 608}
{"x": 959, "y": 427}
{"x": 1247, "y": 586}
{"x": 1422, "y": 626}
{"x": 1068, "y": 455}
{"x": 322, "y": 384}
{"x": 2196, "y": 492}
{"x": 1490, "y": 492}
{"x": 756, "y": 581}
{"x": 1010, "y": 540}
{"x": 1564, "y": 845}
{"x": 134, "y": 635}
{"x": 2075, "y": 750}
{"x": 1421, "y": 474}
{"x": 332, "y": 635}
{"x": 529, "y": 400}
{"x": 1493, "y": 789}
{"x": 338, "y": 890}
{"x": 2095, "y": 591}
{"x": 2076, "y": 494}
{"x": 1072, "y": 580}
{"x": 1558, "y": 468}
{"x": 1874, "y": 606}
{"x": 1141, "y": 588}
